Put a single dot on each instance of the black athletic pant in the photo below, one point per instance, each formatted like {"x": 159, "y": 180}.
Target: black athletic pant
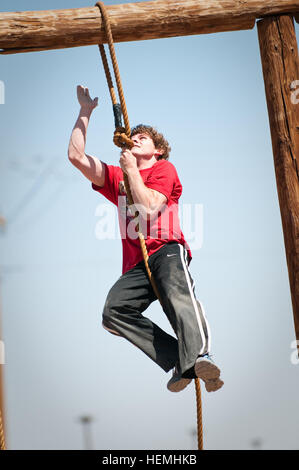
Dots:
{"x": 133, "y": 293}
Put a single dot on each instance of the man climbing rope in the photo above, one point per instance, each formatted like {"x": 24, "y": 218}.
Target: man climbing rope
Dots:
{"x": 156, "y": 190}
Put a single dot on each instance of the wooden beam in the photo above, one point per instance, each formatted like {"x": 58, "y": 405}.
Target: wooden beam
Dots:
{"x": 55, "y": 29}
{"x": 279, "y": 54}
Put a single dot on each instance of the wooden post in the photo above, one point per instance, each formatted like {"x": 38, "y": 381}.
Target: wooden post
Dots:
{"x": 279, "y": 54}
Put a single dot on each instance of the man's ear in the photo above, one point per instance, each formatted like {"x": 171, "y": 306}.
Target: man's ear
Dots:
{"x": 159, "y": 152}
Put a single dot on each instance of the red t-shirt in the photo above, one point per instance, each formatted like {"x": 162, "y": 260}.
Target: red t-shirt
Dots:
{"x": 159, "y": 230}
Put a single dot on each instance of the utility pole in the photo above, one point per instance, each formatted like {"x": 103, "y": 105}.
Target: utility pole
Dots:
{"x": 87, "y": 438}
{"x": 2, "y": 432}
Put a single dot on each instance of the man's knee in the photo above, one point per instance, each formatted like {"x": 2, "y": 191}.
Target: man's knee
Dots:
{"x": 108, "y": 310}
{"x": 113, "y": 332}
{"x": 107, "y": 317}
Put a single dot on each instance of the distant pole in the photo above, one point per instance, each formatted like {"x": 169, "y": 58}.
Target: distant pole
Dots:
{"x": 256, "y": 443}
{"x": 87, "y": 438}
{"x": 193, "y": 434}
{"x": 2, "y": 429}
{"x": 279, "y": 54}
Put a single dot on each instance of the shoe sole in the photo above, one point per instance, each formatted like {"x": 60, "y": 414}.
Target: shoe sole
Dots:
{"x": 213, "y": 385}
{"x": 178, "y": 385}
{"x": 209, "y": 373}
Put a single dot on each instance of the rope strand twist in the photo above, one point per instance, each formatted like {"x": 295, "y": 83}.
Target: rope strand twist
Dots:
{"x": 2, "y": 437}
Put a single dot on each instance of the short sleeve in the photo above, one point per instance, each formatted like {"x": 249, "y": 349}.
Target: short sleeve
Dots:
{"x": 164, "y": 179}
{"x": 110, "y": 189}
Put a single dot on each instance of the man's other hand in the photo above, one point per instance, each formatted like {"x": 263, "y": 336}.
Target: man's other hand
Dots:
{"x": 84, "y": 98}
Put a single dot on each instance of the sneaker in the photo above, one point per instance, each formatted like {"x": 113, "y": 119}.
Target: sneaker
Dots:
{"x": 177, "y": 383}
{"x": 206, "y": 370}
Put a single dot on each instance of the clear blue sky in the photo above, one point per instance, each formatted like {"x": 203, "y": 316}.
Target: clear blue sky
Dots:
{"x": 206, "y": 94}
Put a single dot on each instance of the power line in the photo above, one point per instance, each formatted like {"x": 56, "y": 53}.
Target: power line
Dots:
{"x": 35, "y": 188}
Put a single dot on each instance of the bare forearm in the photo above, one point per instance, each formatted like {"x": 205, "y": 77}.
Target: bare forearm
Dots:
{"x": 142, "y": 195}
{"x": 78, "y": 135}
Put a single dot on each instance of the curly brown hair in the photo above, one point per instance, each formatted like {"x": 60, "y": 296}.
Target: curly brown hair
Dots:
{"x": 159, "y": 140}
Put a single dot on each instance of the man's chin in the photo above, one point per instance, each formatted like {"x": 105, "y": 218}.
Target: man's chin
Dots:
{"x": 136, "y": 154}
{"x": 140, "y": 154}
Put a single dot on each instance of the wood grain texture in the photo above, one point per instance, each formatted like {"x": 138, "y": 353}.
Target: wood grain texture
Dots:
{"x": 55, "y": 29}
{"x": 279, "y": 53}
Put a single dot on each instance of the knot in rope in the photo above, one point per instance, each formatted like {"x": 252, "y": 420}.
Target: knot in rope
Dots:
{"x": 120, "y": 138}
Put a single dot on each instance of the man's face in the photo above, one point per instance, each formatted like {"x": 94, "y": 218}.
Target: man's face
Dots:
{"x": 143, "y": 146}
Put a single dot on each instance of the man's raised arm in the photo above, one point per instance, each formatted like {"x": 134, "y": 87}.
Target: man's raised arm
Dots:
{"x": 91, "y": 167}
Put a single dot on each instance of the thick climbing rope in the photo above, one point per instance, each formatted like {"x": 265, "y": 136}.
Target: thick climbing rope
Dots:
{"x": 2, "y": 438}
{"x": 122, "y": 139}
{"x": 199, "y": 414}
